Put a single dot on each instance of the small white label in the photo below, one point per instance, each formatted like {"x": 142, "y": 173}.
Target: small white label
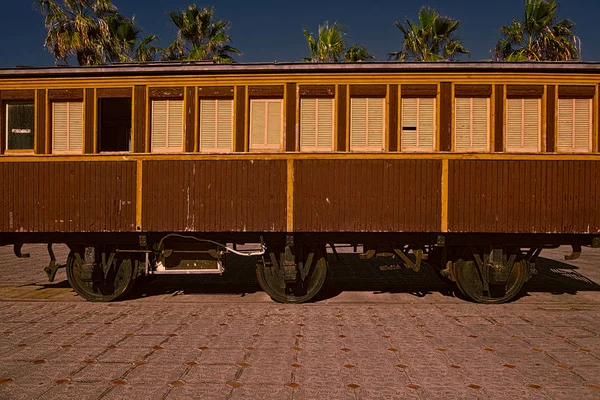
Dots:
{"x": 21, "y": 131}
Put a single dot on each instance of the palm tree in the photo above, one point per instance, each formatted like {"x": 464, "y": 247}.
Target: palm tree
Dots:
{"x": 431, "y": 39}
{"x": 200, "y": 37}
{"x": 330, "y": 46}
{"x": 145, "y": 51}
{"x": 126, "y": 43}
{"x": 78, "y": 28}
{"x": 540, "y": 37}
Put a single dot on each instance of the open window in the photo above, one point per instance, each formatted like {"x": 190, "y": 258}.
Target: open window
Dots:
{"x": 20, "y": 123}
{"x": 114, "y": 124}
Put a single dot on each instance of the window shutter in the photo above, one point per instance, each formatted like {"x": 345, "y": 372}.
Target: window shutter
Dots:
{"x": 418, "y": 124}
{"x": 574, "y": 125}
{"x": 523, "y": 125}
{"x": 367, "y": 125}
{"x": 316, "y": 125}
{"x": 167, "y": 126}
{"x": 266, "y": 125}
{"x": 472, "y": 124}
{"x": 67, "y": 127}
{"x": 216, "y": 125}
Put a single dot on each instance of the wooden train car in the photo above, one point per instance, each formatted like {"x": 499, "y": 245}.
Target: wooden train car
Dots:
{"x": 165, "y": 168}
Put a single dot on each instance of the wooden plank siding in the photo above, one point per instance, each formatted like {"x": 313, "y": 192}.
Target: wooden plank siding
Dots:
{"x": 41, "y": 113}
{"x": 550, "y": 119}
{"x": 214, "y": 196}
{"x": 90, "y": 122}
{"x": 342, "y": 117}
{"x": 240, "y": 119}
{"x": 74, "y": 196}
{"x": 139, "y": 116}
{"x": 499, "y": 119}
{"x": 290, "y": 117}
{"x": 394, "y": 118}
{"x": 367, "y": 195}
{"x": 446, "y": 113}
{"x": 190, "y": 119}
{"x": 524, "y": 196}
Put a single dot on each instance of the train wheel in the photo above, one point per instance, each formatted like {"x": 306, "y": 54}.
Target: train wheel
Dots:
{"x": 107, "y": 280}
{"x": 470, "y": 281}
{"x": 302, "y": 290}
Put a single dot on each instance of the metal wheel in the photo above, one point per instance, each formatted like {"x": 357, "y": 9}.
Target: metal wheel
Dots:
{"x": 470, "y": 281}
{"x": 107, "y": 280}
{"x": 272, "y": 282}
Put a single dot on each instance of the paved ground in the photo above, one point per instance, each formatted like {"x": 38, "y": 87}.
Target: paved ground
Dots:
{"x": 373, "y": 334}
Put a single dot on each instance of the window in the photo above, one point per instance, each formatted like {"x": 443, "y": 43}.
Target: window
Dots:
{"x": 367, "y": 124}
{"x": 418, "y": 124}
{"x": 20, "y": 122}
{"x": 167, "y": 126}
{"x": 472, "y": 124}
{"x": 574, "y": 125}
{"x": 266, "y": 125}
{"x": 67, "y": 127}
{"x": 523, "y": 127}
{"x": 316, "y": 124}
{"x": 216, "y": 125}
{"x": 114, "y": 124}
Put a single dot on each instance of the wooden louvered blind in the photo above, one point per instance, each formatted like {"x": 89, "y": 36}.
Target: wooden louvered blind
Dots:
{"x": 472, "y": 124}
{"x": 523, "y": 125}
{"x": 266, "y": 125}
{"x": 418, "y": 124}
{"x": 216, "y": 125}
{"x": 367, "y": 124}
{"x": 316, "y": 125}
{"x": 167, "y": 126}
{"x": 67, "y": 127}
{"x": 574, "y": 125}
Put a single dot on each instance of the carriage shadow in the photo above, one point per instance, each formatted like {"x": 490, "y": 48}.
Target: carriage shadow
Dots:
{"x": 351, "y": 274}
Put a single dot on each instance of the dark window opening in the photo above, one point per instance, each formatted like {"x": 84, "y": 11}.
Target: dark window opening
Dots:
{"x": 114, "y": 124}
{"x": 409, "y": 128}
{"x": 20, "y": 122}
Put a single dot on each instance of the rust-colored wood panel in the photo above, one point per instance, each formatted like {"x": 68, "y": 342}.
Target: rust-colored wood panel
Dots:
{"x": 215, "y": 91}
{"x": 2, "y": 125}
{"x": 499, "y": 119}
{"x": 322, "y": 91}
{"x": 576, "y": 91}
{"x": 550, "y": 118}
{"x": 240, "y": 119}
{"x": 166, "y": 93}
{"x": 368, "y": 90}
{"x": 290, "y": 117}
{"x": 65, "y": 94}
{"x": 341, "y": 117}
{"x": 367, "y": 195}
{"x": 12, "y": 95}
{"x": 393, "y": 119}
{"x": 446, "y": 116}
{"x": 524, "y": 91}
{"x": 139, "y": 114}
{"x": 215, "y": 196}
{"x": 68, "y": 196}
{"x": 419, "y": 90}
{"x": 473, "y": 91}
{"x": 40, "y": 133}
{"x": 190, "y": 119}
{"x": 524, "y": 196}
{"x": 266, "y": 91}
{"x": 103, "y": 93}
{"x": 90, "y": 123}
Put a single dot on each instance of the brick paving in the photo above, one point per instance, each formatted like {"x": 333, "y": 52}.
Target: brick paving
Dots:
{"x": 375, "y": 334}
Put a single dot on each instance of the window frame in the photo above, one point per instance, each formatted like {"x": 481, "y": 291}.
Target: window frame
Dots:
{"x": 384, "y": 115}
{"x": 435, "y": 139}
{"x": 52, "y": 127}
{"x": 540, "y": 135}
{"x": 317, "y": 148}
{"x": 573, "y": 150}
{"x": 5, "y": 105}
{"x": 216, "y": 150}
{"x": 167, "y": 149}
{"x": 266, "y": 148}
{"x": 471, "y": 99}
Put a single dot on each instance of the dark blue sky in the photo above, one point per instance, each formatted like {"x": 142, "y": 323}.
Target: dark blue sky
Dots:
{"x": 269, "y": 30}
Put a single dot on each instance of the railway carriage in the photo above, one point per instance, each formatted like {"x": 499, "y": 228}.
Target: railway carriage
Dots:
{"x": 165, "y": 168}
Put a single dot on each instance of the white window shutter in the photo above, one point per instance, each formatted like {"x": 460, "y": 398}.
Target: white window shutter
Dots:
{"x": 472, "y": 124}
{"x": 574, "y": 125}
{"x": 67, "y": 127}
{"x": 523, "y": 127}
{"x": 216, "y": 125}
{"x": 418, "y": 124}
{"x": 266, "y": 124}
{"x": 367, "y": 124}
{"x": 316, "y": 125}
{"x": 167, "y": 126}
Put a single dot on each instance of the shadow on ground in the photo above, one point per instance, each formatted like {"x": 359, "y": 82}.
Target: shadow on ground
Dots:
{"x": 376, "y": 275}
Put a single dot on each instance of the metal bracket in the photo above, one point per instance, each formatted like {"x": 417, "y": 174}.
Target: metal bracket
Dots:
{"x": 416, "y": 266}
{"x": 440, "y": 241}
{"x": 367, "y": 255}
{"x": 17, "y": 249}
{"x": 481, "y": 266}
{"x": 52, "y": 267}
{"x": 304, "y": 268}
{"x": 575, "y": 254}
{"x": 106, "y": 266}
